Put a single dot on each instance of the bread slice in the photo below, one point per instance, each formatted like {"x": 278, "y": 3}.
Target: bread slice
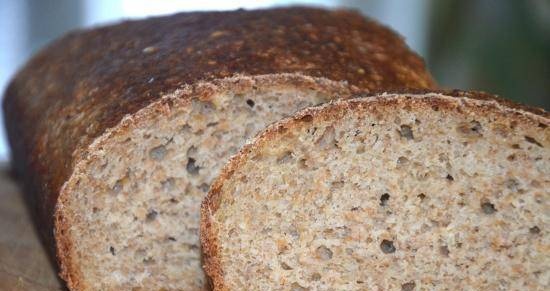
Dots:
{"x": 119, "y": 130}
{"x": 426, "y": 191}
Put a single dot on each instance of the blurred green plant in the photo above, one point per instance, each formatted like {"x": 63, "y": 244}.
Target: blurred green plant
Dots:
{"x": 502, "y": 47}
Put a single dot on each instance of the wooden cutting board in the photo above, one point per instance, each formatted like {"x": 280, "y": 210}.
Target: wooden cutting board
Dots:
{"x": 24, "y": 264}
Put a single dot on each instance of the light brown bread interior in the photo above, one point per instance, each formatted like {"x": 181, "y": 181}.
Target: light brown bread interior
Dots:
{"x": 398, "y": 192}
{"x": 131, "y": 211}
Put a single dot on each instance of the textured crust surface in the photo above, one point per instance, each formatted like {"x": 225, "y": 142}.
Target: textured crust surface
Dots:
{"x": 88, "y": 81}
{"x": 440, "y": 99}
{"x": 85, "y": 83}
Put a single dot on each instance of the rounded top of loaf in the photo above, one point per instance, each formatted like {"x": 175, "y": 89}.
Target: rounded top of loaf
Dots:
{"x": 123, "y": 67}
{"x": 79, "y": 86}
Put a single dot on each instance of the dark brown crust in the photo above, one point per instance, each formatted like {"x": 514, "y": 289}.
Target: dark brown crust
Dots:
{"x": 480, "y": 95}
{"x": 85, "y": 83}
{"x": 333, "y": 110}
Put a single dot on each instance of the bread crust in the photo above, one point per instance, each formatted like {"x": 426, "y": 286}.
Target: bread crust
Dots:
{"x": 71, "y": 93}
{"x": 440, "y": 98}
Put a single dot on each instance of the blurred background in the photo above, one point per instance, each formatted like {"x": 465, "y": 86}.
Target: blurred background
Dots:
{"x": 502, "y": 47}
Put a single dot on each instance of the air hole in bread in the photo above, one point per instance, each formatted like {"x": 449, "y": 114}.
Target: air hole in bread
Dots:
{"x": 302, "y": 163}
{"x": 402, "y": 161}
{"x": 387, "y": 246}
{"x": 306, "y": 118}
{"x": 488, "y": 207}
{"x": 148, "y": 261}
{"x": 191, "y": 167}
{"x": 475, "y": 126}
{"x": 151, "y": 215}
{"x": 285, "y": 266}
{"x": 334, "y": 185}
{"x": 409, "y": 286}
{"x": 534, "y": 230}
{"x": 444, "y": 251}
{"x": 184, "y": 129}
{"x": 324, "y": 253}
{"x": 315, "y": 276}
{"x": 294, "y": 232}
{"x": 384, "y": 198}
{"x": 286, "y": 157}
{"x": 512, "y": 184}
{"x": 117, "y": 187}
{"x": 158, "y": 153}
{"x": 533, "y": 141}
{"x": 204, "y": 187}
{"x": 406, "y": 132}
{"x": 327, "y": 139}
{"x": 470, "y": 129}
{"x": 168, "y": 184}
{"x": 297, "y": 287}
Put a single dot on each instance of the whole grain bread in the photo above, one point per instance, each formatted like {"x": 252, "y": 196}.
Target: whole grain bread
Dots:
{"x": 118, "y": 131}
{"x": 408, "y": 191}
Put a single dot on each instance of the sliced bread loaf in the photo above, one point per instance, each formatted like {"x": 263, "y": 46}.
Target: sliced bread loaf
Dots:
{"x": 428, "y": 191}
{"x": 119, "y": 130}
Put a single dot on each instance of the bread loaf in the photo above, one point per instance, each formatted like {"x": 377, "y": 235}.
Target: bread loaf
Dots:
{"x": 119, "y": 130}
{"x": 423, "y": 191}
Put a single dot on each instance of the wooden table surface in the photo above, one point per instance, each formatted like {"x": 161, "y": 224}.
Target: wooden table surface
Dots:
{"x": 24, "y": 264}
